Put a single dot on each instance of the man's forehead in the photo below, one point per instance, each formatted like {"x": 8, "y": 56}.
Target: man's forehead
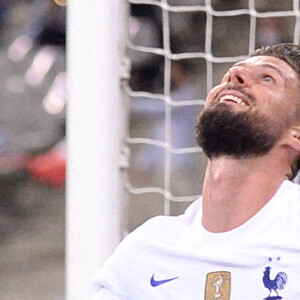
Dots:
{"x": 264, "y": 61}
{"x": 269, "y": 62}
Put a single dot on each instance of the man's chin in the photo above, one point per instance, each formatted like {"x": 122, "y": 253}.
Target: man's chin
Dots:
{"x": 224, "y": 131}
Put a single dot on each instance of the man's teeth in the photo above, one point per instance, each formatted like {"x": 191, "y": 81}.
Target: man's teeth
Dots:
{"x": 232, "y": 98}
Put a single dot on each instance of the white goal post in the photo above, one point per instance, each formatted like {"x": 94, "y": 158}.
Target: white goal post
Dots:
{"x": 95, "y": 133}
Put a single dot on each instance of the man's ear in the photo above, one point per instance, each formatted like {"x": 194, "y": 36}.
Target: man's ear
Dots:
{"x": 293, "y": 138}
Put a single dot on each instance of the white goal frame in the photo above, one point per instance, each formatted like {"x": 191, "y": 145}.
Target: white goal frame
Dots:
{"x": 96, "y": 122}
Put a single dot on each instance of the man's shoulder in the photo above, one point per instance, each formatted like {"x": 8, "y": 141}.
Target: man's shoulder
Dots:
{"x": 166, "y": 224}
{"x": 291, "y": 188}
{"x": 152, "y": 241}
{"x": 161, "y": 229}
{"x": 289, "y": 197}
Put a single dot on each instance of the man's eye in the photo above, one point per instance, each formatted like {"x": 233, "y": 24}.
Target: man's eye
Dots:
{"x": 268, "y": 78}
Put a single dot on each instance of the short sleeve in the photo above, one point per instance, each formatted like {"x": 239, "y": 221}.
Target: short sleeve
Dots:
{"x": 109, "y": 280}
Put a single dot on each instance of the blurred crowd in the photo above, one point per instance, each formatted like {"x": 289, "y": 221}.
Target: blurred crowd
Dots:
{"x": 33, "y": 99}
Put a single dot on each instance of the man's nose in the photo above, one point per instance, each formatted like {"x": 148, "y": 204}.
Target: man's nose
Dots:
{"x": 237, "y": 76}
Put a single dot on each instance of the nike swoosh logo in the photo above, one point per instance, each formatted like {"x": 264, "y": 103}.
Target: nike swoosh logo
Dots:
{"x": 155, "y": 283}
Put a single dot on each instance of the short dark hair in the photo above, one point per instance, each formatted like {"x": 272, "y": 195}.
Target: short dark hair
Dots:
{"x": 288, "y": 52}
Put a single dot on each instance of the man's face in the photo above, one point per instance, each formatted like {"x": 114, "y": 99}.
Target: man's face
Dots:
{"x": 248, "y": 112}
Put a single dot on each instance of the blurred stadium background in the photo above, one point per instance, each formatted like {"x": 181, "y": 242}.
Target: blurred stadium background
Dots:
{"x": 178, "y": 49}
{"x": 32, "y": 149}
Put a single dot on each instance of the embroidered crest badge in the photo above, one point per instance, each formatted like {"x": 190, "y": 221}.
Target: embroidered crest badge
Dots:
{"x": 278, "y": 283}
{"x": 218, "y": 286}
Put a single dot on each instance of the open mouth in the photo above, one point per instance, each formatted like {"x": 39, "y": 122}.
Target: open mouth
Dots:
{"x": 234, "y": 99}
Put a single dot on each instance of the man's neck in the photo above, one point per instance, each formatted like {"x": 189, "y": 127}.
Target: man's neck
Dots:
{"x": 235, "y": 190}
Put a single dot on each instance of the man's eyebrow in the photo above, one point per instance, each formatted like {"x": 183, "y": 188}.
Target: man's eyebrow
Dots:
{"x": 264, "y": 65}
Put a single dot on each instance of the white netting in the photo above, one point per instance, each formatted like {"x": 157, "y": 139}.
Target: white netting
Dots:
{"x": 179, "y": 49}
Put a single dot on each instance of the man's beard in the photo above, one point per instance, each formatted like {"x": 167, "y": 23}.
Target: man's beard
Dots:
{"x": 222, "y": 131}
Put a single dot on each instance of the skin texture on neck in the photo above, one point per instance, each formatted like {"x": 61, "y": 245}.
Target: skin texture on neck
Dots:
{"x": 236, "y": 189}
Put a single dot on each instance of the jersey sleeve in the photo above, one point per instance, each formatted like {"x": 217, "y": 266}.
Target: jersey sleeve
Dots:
{"x": 111, "y": 280}
{"x": 108, "y": 281}
{"x": 114, "y": 279}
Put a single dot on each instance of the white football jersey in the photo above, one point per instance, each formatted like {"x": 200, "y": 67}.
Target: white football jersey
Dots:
{"x": 176, "y": 258}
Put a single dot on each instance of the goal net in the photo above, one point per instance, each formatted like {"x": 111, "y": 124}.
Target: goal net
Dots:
{"x": 179, "y": 49}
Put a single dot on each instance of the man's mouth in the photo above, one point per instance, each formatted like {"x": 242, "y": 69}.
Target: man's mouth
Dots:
{"x": 232, "y": 98}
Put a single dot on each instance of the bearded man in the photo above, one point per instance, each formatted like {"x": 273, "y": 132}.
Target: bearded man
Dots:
{"x": 241, "y": 239}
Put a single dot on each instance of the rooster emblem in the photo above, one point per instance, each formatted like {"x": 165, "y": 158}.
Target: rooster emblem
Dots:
{"x": 276, "y": 284}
